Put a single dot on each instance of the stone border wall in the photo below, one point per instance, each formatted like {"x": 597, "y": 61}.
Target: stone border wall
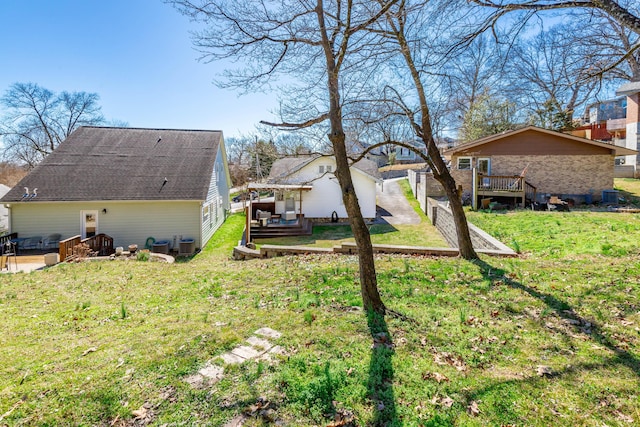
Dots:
{"x": 441, "y": 216}
{"x": 350, "y": 248}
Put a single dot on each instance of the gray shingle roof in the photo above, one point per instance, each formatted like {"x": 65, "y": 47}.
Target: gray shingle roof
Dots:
{"x": 101, "y": 163}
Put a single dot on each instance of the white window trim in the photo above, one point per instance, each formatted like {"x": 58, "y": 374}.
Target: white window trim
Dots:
{"x": 465, "y": 158}
{"x": 480, "y": 159}
{"x": 83, "y": 225}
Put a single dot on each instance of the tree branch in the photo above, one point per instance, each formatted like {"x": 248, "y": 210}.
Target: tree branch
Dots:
{"x": 295, "y": 126}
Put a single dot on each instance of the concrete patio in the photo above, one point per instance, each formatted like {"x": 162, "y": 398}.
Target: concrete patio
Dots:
{"x": 25, "y": 263}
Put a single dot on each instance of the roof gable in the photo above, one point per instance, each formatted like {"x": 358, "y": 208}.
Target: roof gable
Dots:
{"x": 284, "y": 168}
{"x": 533, "y": 140}
{"x": 101, "y": 163}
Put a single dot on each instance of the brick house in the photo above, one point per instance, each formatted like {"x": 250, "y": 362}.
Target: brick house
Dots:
{"x": 535, "y": 163}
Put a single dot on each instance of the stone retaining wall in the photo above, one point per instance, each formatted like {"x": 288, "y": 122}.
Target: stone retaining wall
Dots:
{"x": 441, "y": 216}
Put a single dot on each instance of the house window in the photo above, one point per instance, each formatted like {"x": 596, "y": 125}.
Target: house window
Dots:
{"x": 321, "y": 169}
{"x": 484, "y": 166}
{"x": 324, "y": 169}
{"x": 206, "y": 212}
{"x": 327, "y": 168}
{"x": 464, "y": 163}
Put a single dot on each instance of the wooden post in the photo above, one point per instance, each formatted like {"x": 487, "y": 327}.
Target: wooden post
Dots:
{"x": 474, "y": 185}
{"x": 247, "y": 214}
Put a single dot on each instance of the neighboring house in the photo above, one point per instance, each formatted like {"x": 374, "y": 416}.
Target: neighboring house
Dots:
{"x": 4, "y": 212}
{"x": 632, "y": 123}
{"x": 307, "y": 185}
{"x": 128, "y": 183}
{"x": 616, "y": 120}
{"x": 378, "y": 155}
{"x": 405, "y": 155}
{"x": 553, "y": 163}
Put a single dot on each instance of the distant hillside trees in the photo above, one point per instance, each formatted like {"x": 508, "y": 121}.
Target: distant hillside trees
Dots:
{"x": 36, "y": 120}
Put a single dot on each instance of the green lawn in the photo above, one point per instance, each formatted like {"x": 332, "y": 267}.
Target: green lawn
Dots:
{"x": 550, "y": 338}
{"x": 563, "y": 234}
{"x": 629, "y": 189}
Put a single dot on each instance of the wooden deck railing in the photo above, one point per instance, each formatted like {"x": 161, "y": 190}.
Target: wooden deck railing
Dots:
{"x": 66, "y": 246}
{"x": 100, "y": 243}
{"x": 530, "y": 191}
{"x": 504, "y": 185}
{"x": 509, "y": 183}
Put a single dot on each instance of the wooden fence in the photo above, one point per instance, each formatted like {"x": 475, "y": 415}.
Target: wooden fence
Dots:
{"x": 100, "y": 243}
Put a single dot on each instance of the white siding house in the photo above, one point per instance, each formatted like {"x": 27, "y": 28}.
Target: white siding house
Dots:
{"x": 128, "y": 183}
{"x": 324, "y": 196}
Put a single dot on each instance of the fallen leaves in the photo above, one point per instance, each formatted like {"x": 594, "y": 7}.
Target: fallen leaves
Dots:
{"x": 435, "y": 376}
{"x": 473, "y": 409}
{"x": 451, "y": 360}
{"x": 445, "y": 401}
{"x": 140, "y": 413}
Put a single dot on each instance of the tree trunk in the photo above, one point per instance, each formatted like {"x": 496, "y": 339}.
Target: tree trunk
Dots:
{"x": 440, "y": 171}
{"x": 371, "y": 300}
{"x": 443, "y": 176}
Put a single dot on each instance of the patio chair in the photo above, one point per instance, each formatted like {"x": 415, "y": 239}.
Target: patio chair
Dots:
{"x": 263, "y": 215}
{"x": 33, "y": 242}
{"x": 52, "y": 241}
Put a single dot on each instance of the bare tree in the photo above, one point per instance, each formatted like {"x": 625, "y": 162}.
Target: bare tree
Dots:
{"x": 316, "y": 45}
{"x": 488, "y": 115}
{"x": 553, "y": 75}
{"x": 625, "y": 13}
{"x": 608, "y": 45}
{"x": 404, "y": 25}
{"x": 473, "y": 74}
{"x": 38, "y": 120}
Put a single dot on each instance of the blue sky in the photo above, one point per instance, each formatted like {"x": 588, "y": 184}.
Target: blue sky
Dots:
{"x": 136, "y": 54}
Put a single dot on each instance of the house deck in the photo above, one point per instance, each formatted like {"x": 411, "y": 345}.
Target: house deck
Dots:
{"x": 301, "y": 226}
{"x": 512, "y": 186}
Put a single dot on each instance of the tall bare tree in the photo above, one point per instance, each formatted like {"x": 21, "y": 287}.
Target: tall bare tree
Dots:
{"x": 315, "y": 44}
{"x": 403, "y": 26}
{"x": 553, "y": 75}
{"x": 626, "y": 13}
{"x": 38, "y": 120}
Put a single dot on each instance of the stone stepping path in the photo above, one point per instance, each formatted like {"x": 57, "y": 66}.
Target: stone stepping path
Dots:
{"x": 259, "y": 348}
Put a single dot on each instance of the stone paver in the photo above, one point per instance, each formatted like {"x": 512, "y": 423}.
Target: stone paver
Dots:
{"x": 259, "y": 343}
{"x": 206, "y": 376}
{"x": 258, "y": 349}
{"x": 246, "y": 352}
{"x": 212, "y": 372}
{"x": 232, "y": 359}
{"x": 277, "y": 350}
